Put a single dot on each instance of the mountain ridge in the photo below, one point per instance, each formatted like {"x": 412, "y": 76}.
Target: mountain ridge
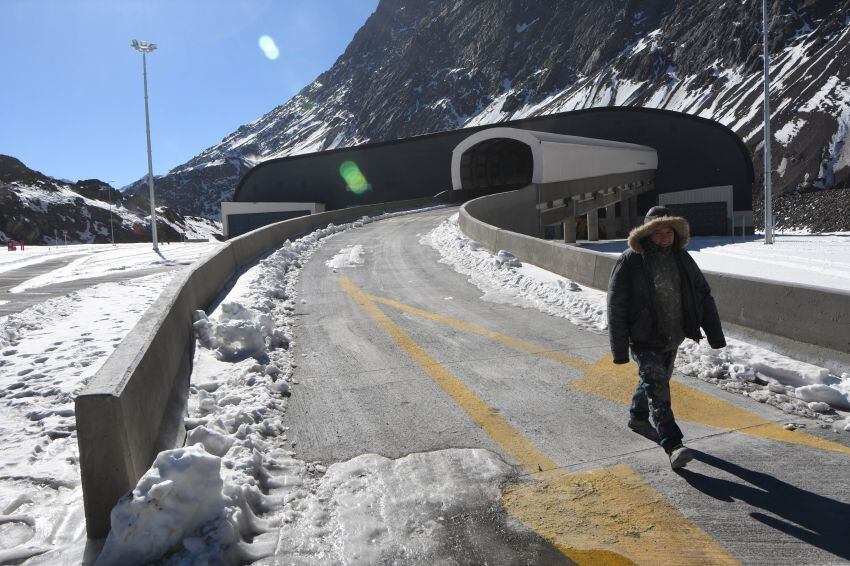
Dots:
{"x": 37, "y": 209}
{"x": 422, "y": 67}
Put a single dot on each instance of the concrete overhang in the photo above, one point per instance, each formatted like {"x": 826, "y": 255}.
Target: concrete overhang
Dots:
{"x": 558, "y": 157}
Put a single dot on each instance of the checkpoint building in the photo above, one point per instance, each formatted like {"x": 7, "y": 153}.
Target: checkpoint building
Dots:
{"x": 588, "y": 173}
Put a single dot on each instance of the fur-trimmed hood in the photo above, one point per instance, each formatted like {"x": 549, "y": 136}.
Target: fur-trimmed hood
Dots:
{"x": 677, "y": 223}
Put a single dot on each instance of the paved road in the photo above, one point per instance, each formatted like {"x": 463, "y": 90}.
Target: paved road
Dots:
{"x": 403, "y": 356}
{"x": 18, "y": 302}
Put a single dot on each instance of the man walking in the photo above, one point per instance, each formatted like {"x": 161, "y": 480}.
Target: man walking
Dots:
{"x": 657, "y": 297}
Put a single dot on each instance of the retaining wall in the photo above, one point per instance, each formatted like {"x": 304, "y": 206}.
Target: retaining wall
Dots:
{"x": 133, "y": 406}
{"x": 808, "y": 314}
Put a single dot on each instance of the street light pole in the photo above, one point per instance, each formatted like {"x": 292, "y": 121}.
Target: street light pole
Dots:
{"x": 768, "y": 196}
{"x": 144, "y": 48}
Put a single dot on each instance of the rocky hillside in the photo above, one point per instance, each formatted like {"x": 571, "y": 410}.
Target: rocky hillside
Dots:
{"x": 36, "y": 208}
{"x": 424, "y": 66}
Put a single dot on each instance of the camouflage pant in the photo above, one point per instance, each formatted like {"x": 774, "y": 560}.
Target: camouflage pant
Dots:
{"x": 653, "y": 394}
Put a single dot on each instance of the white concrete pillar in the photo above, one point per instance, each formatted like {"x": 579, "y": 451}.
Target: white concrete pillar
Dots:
{"x": 593, "y": 225}
{"x": 570, "y": 230}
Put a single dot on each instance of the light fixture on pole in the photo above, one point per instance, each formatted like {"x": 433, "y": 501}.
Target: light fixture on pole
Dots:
{"x": 768, "y": 196}
{"x": 144, "y": 47}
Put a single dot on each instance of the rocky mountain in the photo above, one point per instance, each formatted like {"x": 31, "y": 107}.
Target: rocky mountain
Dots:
{"x": 424, "y": 66}
{"x": 36, "y": 208}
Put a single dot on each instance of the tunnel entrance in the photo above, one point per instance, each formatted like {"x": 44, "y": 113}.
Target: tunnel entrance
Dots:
{"x": 501, "y": 163}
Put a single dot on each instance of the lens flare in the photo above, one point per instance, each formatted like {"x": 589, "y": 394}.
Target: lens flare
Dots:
{"x": 355, "y": 181}
{"x": 269, "y": 48}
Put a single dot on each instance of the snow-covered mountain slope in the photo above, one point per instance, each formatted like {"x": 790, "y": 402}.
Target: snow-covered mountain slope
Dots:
{"x": 37, "y": 208}
{"x": 424, "y": 66}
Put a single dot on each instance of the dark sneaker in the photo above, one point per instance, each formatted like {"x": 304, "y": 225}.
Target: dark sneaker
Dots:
{"x": 644, "y": 428}
{"x": 680, "y": 456}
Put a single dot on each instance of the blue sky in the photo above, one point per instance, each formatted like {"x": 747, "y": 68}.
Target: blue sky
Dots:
{"x": 71, "y": 96}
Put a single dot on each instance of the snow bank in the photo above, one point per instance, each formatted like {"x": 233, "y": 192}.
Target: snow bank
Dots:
{"x": 788, "y": 384}
{"x": 347, "y": 257}
{"x": 180, "y": 494}
{"x": 374, "y": 510}
{"x": 241, "y": 374}
{"x": 504, "y": 279}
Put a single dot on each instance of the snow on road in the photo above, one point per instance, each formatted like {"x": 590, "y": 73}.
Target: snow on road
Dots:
{"x": 205, "y": 503}
{"x": 38, "y": 254}
{"x": 103, "y": 259}
{"x": 348, "y": 256}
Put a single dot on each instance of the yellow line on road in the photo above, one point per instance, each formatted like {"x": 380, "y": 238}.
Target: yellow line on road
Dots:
{"x": 608, "y": 516}
{"x": 617, "y": 383}
{"x": 506, "y": 436}
{"x": 611, "y": 516}
{"x": 513, "y": 342}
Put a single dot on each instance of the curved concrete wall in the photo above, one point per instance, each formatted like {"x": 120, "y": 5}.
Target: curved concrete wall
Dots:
{"x": 807, "y": 314}
{"x": 132, "y": 408}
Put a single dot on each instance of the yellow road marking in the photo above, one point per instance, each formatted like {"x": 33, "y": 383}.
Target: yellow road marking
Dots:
{"x": 603, "y": 517}
{"x": 617, "y": 383}
{"x": 513, "y": 342}
{"x": 611, "y": 516}
{"x": 506, "y": 436}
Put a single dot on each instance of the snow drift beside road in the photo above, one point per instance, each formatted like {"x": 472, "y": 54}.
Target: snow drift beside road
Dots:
{"x": 240, "y": 381}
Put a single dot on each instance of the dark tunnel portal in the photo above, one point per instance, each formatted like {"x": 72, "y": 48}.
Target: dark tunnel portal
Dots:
{"x": 496, "y": 163}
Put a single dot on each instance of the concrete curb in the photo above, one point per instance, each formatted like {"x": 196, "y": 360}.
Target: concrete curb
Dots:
{"x": 807, "y": 314}
{"x": 133, "y": 407}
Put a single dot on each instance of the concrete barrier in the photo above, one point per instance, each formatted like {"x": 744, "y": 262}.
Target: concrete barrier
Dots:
{"x": 808, "y": 314}
{"x": 133, "y": 407}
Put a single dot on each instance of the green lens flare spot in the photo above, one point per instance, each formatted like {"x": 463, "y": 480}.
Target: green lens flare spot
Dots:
{"x": 354, "y": 179}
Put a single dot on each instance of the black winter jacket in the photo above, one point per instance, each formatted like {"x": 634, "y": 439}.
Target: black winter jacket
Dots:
{"x": 632, "y": 310}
